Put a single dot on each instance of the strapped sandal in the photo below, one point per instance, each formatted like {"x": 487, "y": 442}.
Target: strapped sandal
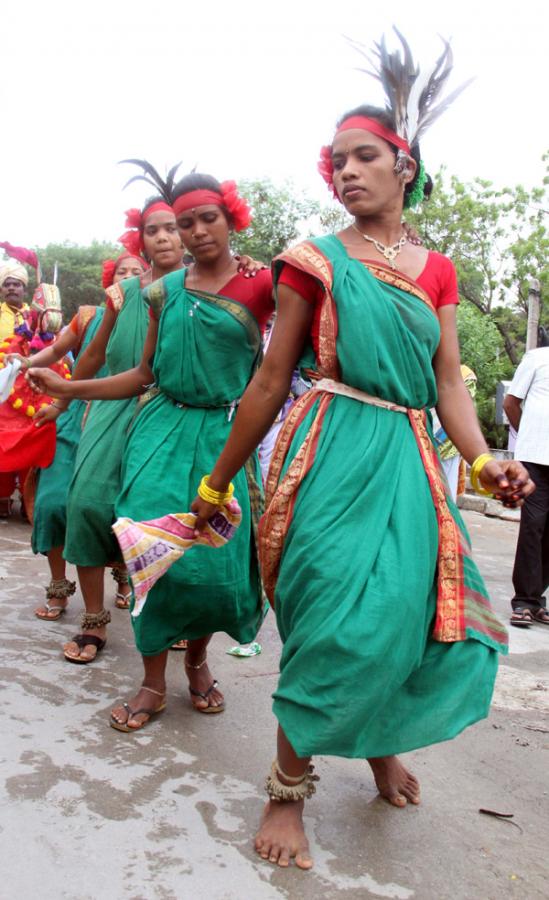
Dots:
{"x": 180, "y": 645}
{"x": 204, "y": 696}
{"x": 521, "y": 617}
{"x": 541, "y": 616}
{"x": 81, "y": 640}
{"x": 143, "y": 710}
{"x": 57, "y": 610}
{"x": 57, "y": 589}
{"x": 122, "y": 601}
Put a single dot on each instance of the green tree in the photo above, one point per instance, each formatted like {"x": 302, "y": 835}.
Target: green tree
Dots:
{"x": 79, "y": 272}
{"x": 278, "y": 216}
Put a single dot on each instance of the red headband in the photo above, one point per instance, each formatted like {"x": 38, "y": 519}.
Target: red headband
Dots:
{"x": 110, "y": 266}
{"x": 375, "y": 127}
{"x": 325, "y": 164}
{"x": 228, "y": 197}
{"x": 132, "y": 240}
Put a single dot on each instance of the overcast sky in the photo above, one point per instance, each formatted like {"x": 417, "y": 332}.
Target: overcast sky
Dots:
{"x": 245, "y": 89}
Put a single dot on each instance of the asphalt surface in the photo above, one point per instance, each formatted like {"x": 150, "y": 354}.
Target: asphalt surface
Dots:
{"x": 169, "y": 813}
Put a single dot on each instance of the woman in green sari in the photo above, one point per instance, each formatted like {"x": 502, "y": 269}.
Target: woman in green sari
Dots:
{"x": 90, "y": 543}
{"x": 389, "y": 641}
{"x": 204, "y": 337}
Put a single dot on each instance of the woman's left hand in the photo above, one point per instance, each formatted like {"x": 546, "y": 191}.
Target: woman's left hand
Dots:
{"x": 203, "y": 512}
{"x": 508, "y": 481}
{"x": 249, "y": 267}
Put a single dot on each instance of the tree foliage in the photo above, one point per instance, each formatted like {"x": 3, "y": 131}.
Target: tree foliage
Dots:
{"x": 279, "y": 213}
{"x": 79, "y": 273}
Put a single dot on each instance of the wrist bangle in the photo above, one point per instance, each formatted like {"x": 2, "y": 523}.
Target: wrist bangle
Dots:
{"x": 217, "y": 498}
{"x": 476, "y": 468}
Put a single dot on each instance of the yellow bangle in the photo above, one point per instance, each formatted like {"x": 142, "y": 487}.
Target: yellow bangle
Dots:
{"x": 476, "y": 468}
{"x": 217, "y": 498}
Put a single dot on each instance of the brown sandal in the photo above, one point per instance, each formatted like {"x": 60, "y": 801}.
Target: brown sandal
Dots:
{"x": 82, "y": 640}
{"x": 521, "y": 617}
{"x": 123, "y": 726}
{"x": 541, "y": 616}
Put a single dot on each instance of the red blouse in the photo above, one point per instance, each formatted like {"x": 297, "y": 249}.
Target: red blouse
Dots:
{"x": 256, "y": 294}
{"x": 438, "y": 279}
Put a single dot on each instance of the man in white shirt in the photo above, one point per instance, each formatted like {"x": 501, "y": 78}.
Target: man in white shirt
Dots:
{"x": 527, "y": 408}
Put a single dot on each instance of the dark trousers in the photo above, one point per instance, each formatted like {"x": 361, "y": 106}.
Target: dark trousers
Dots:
{"x": 531, "y": 570}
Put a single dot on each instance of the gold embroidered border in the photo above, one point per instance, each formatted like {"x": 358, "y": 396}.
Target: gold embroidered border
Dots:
{"x": 83, "y": 318}
{"x": 311, "y": 260}
{"x": 399, "y": 280}
{"x": 449, "y": 622}
{"x": 276, "y": 521}
{"x": 116, "y": 295}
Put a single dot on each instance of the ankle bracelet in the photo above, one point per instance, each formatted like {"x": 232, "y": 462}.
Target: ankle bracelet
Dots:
{"x": 301, "y": 788}
{"x": 95, "y": 620}
{"x": 199, "y": 666}
{"x": 145, "y": 687}
{"x": 60, "y": 589}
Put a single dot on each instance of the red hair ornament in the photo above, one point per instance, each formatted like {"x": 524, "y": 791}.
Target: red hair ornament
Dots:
{"x": 228, "y": 196}
{"x": 132, "y": 239}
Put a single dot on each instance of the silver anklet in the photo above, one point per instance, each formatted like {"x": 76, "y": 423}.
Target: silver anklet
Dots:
{"x": 152, "y": 691}
{"x": 199, "y": 666}
{"x": 95, "y": 620}
{"x": 60, "y": 589}
{"x": 301, "y": 788}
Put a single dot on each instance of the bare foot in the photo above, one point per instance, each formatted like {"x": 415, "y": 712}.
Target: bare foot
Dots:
{"x": 89, "y": 651}
{"x": 394, "y": 782}
{"x": 281, "y": 836}
{"x": 147, "y": 700}
{"x": 201, "y": 681}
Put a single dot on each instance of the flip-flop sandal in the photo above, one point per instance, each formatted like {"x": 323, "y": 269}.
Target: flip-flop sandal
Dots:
{"x": 541, "y": 616}
{"x": 122, "y": 601}
{"x": 59, "y": 610}
{"x": 81, "y": 640}
{"x": 123, "y": 726}
{"x": 204, "y": 696}
{"x": 180, "y": 645}
{"x": 521, "y": 617}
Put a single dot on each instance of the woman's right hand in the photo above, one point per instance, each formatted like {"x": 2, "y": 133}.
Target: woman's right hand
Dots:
{"x": 44, "y": 381}
{"x": 13, "y": 357}
{"x": 46, "y": 414}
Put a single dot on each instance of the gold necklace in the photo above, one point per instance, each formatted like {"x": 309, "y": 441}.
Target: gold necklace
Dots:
{"x": 390, "y": 253}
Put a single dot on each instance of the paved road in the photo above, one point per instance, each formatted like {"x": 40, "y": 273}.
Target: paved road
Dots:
{"x": 87, "y": 812}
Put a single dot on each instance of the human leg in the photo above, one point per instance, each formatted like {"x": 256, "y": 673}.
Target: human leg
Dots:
{"x": 531, "y": 568}
{"x": 59, "y": 589}
{"x": 281, "y": 836}
{"x": 149, "y": 700}
{"x": 94, "y": 619}
{"x": 203, "y": 688}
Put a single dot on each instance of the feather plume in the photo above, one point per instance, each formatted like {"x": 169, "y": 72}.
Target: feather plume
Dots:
{"x": 164, "y": 186}
{"x": 411, "y": 94}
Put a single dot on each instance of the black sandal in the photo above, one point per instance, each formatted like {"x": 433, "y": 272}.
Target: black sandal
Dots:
{"x": 81, "y": 640}
{"x": 204, "y": 696}
{"x": 521, "y": 617}
{"x": 541, "y": 616}
{"x": 123, "y": 726}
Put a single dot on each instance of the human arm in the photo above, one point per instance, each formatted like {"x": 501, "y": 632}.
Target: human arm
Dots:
{"x": 509, "y": 480}
{"x": 249, "y": 267}
{"x": 115, "y": 387}
{"x": 513, "y": 410}
{"x": 264, "y": 396}
{"x": 66, "y": 342}
{"x": 90, "y": 361}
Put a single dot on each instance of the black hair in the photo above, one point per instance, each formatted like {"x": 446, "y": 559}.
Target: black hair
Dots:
{"x": 196, "y": 181}
{"x": 385, "y": 118}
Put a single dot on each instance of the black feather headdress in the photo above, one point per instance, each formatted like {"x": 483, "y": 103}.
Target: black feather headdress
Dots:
{"x": 412, "y": 95}
{"x": 164, "y": 186}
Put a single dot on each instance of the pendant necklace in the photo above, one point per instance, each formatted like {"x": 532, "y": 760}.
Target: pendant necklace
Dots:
{"x": 390, "y": 253}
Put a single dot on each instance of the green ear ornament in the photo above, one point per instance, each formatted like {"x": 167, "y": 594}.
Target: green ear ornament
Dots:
{"x": 415, "y": 197}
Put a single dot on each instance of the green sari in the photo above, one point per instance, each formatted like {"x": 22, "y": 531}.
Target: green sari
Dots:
{"x": 208, "y": 347}
{"x": 52, "y": 484}
{"x": 96, "y": 480}
{"x": 389, "y": 640}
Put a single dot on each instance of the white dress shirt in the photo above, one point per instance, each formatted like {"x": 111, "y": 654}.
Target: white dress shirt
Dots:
{"x": 531, "y": 384}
